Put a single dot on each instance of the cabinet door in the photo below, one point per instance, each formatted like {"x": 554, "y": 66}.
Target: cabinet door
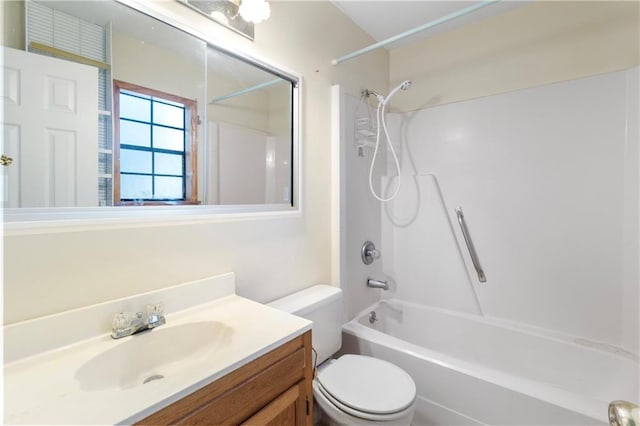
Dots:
{"x": 290, "y": 408}
{"x": 274, "y": 389}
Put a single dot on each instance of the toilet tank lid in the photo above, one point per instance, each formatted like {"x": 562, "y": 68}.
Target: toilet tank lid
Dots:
{"x": 308, "y": 299}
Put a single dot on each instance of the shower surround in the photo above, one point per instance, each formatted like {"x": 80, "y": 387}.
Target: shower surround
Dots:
{"x": 548, "y": 180}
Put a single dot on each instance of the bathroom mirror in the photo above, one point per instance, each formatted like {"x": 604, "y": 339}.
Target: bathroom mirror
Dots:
{"x": 138, "y": 114}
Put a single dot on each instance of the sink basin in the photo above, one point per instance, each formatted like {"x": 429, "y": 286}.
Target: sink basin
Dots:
{"x": 152, "y": 355}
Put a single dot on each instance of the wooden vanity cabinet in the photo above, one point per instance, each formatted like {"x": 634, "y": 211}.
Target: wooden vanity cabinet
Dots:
{"x": 274, "y": 389}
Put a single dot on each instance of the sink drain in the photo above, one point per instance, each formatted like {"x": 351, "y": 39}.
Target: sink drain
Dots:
{"x": 152, "y": 378}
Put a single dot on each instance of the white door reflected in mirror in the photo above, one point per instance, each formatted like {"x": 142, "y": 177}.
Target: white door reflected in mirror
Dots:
{"x": 51, "y": 131}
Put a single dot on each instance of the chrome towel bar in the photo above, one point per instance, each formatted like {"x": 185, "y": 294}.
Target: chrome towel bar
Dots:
{"x": 472, "y": 250}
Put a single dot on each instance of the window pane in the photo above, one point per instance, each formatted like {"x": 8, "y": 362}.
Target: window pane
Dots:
{"x": 134, "y": 161}
{"x": 134, "y": 187}
{"x": 168, "y": 138}
{"x": 135, "y": 108}
{"x": 168, "y": 164}
{"x": 132, "y": 133}
{"x": 168, "y": 187}
{"x": 168, "y": 115}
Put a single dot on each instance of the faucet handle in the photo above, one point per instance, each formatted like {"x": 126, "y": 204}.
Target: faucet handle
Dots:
{"x": 369, "y": 253}
{"x": 155, "y": 314}
{"x": 156, "y": 309}
{"x": 121, "y": 321}
{"x": 375, "y": 253}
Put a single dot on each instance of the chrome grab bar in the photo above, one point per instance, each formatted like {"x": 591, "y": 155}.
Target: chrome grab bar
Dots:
{"x": 472, "y": 250}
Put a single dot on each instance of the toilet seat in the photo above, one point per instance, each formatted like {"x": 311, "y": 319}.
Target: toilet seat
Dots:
{"x": 336, "y": 406}
{"x": 367, "y": 387}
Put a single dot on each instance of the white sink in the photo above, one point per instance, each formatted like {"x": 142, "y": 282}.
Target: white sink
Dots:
{"x": 65, "y": 369}
{"x": 153, "y": 355}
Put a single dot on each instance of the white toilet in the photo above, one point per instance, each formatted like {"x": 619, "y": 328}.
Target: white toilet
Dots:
{"x": 353, "y": 389}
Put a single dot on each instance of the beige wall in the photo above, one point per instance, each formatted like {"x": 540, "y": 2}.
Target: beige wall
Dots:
{"x": 250, "y": 110}
{"x": 536, "y": 44}
{"x": 47, "y": 273}
{"x": 12, "y": 12}
{"x": 164, "y": 70}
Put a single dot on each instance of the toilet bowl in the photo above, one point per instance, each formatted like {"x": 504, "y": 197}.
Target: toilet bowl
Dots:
{"x": 351, "y": 389}
{"x": 361, "y": 390}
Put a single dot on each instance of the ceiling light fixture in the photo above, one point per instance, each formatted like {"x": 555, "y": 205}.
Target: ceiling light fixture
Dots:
{"x": 255, "y": 11}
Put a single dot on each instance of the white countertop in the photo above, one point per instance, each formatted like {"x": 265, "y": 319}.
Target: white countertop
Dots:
{"x": 43, "y": 389}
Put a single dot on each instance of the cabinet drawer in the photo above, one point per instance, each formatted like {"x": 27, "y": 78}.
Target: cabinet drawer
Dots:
{"x": 248, "y": 397}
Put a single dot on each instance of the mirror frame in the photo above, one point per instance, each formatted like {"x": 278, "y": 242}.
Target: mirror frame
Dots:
{"x": 20, "y": 221}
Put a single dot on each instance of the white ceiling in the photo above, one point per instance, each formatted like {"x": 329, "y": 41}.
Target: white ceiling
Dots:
{"x": 384, "y": 19}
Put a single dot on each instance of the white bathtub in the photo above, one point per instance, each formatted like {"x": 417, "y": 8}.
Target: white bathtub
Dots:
{"x": 474, "y": 370}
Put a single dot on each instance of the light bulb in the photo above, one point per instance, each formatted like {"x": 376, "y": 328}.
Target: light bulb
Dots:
{"x": 255, "y": 11}
{"x": 220, "y": 17}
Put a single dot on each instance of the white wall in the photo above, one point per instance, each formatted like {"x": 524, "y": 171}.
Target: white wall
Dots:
{"x": 424, "y": 260}
{"x": 548, "y": 179}
{"x": 51, "y": 272}
{"x": 242, "y": 165}
{"x": 631, "y": 218}
{"x": 280, "y": 142}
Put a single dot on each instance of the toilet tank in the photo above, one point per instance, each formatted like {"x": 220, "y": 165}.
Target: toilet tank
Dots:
{"x": 324, "y": 306}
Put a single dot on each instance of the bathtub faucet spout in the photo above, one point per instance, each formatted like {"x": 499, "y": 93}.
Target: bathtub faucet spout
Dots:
{"x": 377, "y": 284}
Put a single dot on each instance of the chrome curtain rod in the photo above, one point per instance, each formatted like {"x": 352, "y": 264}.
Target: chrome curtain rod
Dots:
{"x": 247, "y": 90}
{"x": 413, "y": 31}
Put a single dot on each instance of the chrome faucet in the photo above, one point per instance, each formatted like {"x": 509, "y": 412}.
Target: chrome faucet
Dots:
{"x": 123, "y": 326}
{"x": 377, "y": 284}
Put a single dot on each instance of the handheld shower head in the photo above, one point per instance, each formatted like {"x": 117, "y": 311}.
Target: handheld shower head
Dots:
{"x": 405, "y": 85}
{"x": 380, "y": 115}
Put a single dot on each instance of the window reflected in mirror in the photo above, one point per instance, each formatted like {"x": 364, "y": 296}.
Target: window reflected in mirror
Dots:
{"x": 155, "y": 147}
